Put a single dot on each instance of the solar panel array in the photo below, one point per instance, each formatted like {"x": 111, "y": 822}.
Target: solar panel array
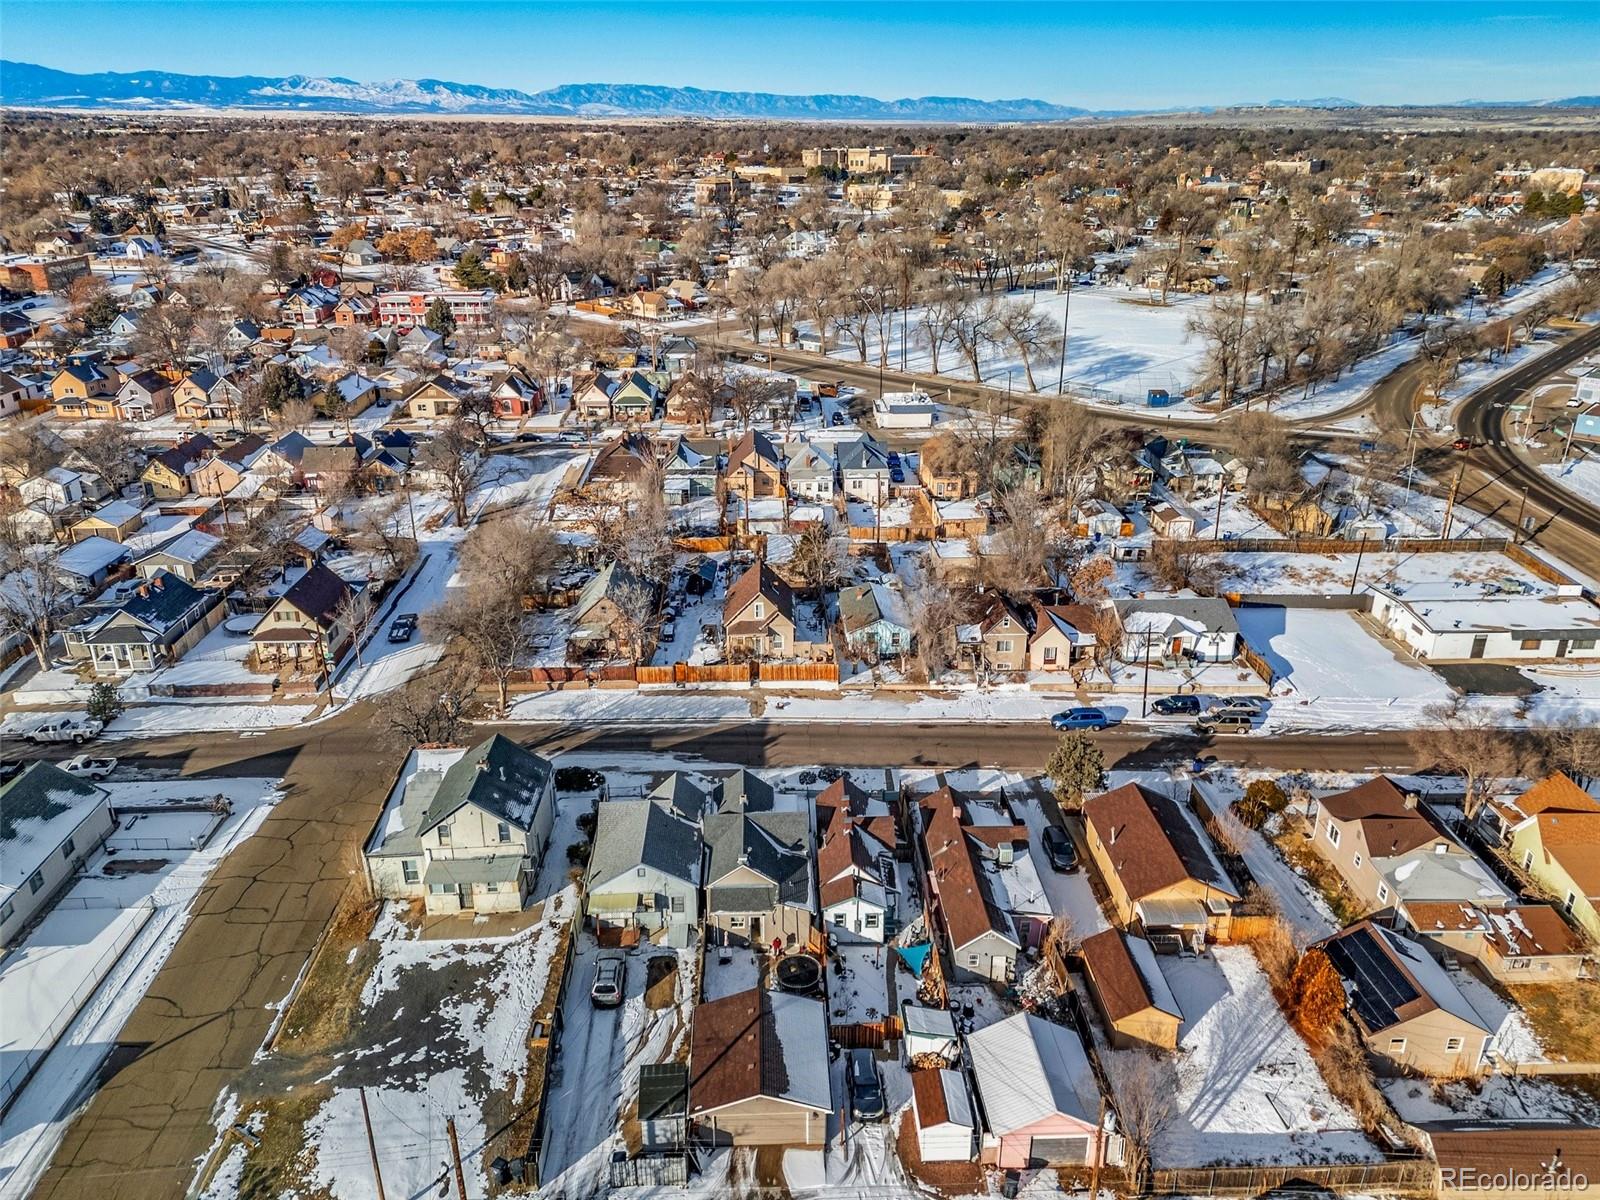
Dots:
{"x": 1380, "y": 988}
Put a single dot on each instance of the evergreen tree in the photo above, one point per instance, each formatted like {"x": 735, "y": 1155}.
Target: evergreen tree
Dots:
{"x": 439, "y": 319}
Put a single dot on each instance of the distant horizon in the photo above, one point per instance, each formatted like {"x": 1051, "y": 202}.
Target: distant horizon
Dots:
{"x": 1146, "y": 57}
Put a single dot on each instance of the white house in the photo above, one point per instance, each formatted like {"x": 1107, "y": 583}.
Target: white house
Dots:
{"x": 1441, "y": 623}
{"x": 947, "y": 1125}
{"x": 50, "y": 822}
{"x": 644, "y": 871}
{"x": 464, "y": 832}
{"x": 1197, "y": 627}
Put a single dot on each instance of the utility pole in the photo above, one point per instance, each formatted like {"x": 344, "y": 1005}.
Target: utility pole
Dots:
{"x": 1356, "y": 574}
{"x": 1450, "y": 505}
{"x": 455, "y": 1153}
{"x": 1061, "y": 370}
{"x": 372, "y": 1145}
{"x": 1216, "y": 532}
{"x": 1516, "y": 532}
{"x": 1144, "y": 699}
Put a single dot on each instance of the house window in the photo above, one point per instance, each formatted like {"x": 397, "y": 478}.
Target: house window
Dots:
{"x": 1527, "y": 860}
{"x": 441, "y": 889}
{"x": 760, "y": 610}
{"x": 972, "y": 960}
{"x": 1002, "y": 646}
{"x": 1357, "y": 860}
{"x": 503, "y": 831}
{"x": 1441, "y": 847}
{"x": 777, "y": 640}
{"x": 1333, "y": 834}
{"x": 491, "y": 887}
{"x": 1049, "y": 655}
{"x": 35, "y": 882}
{"x": 1383, "y": 893}
{"x": 1583, "y": 643}
{"x": 1518, "y": 964}
{"x": 870, "y": 920}
{"x": 67, "y": 847}
{"x": 677, "y": 904}
{"x": 444, "y": 835}
{"x": 838, "y": 917}
{"x": 1570, "y": 902}
{"x": 408, "y": 870}
{"x": 735, "y": 922}
{"x": 639, "y": 872}
{"x": 1397, "y": 1045}
{"x": 1529, "y": 644}
{"x": 1451, "y": 1045}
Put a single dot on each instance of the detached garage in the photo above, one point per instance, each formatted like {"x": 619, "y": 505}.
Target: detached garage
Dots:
{"x": 1038, "y": 1094}
{"x": 758, "y": 1070}
{"x": 941, "y": 1105}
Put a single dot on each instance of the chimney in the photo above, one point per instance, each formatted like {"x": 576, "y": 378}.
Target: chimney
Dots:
{"x": 1411, "y": 801}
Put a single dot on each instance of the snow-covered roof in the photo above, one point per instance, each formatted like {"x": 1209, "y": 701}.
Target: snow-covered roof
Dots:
{"x": 39, "y": 809}
{"x": 1029, "y": 1070}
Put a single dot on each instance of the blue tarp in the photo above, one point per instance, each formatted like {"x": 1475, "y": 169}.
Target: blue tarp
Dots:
{"x": 916, "y": 957}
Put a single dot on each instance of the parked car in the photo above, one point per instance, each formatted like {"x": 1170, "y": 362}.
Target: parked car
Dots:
{"x": 893, "y": 459}
{"x": 10, "y": 769}
{"x": 1461, "y": 443}
{"x": 760, "y": 358}
{"x": 403, "y": 627}
{"x": 76, "y": 730}
{"x": 86, "y": 766}
{"x": 897, "y": 475}
{"x": 610, "y": 972}
{"x": 1250, "y": 706}
{"x": 838, "y": 417}
{"x": 1223, "y": 722}
{"x": 1058, "y": 848}
{"x": 1081, "y": 718}
{"x": 866, "y": 1089}
{"x": 669, "y": 631}
{"x": 1175, "y": 706}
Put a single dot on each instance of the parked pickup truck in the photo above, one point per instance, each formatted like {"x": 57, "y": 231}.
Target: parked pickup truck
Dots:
{"x": 76, "y": 730}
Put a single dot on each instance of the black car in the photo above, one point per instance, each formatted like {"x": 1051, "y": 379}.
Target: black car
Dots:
{"x": 1178, "y": 706}
{"x": 1058, "y": 848}
{"x": 403, "y": 627}
{"x": 866, "y": 1089}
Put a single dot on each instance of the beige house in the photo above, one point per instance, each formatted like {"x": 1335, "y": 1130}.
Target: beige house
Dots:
{"x": 1521, "y": 943}
{"x": 755, "y": 468}
{"x": 1388, "y": 852}
{"x": 464, "y": 832}
{"x": 309, "y": 627}
{"x": 758, "y": 618}
{"x": 1130, "y": 991}
{"x": 760, "y": 884}
{"x": 1158, "y": 867}
{"x": 1063, "y": 637}
{"x": 1003, "y": 635}
{"x": 1408, "y": 1009}
{"x": 758, "y": 1070}
{"x": 434, "y": 398}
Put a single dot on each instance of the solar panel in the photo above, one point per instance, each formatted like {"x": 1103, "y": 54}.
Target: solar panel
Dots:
{"x": 1381, "y": 989}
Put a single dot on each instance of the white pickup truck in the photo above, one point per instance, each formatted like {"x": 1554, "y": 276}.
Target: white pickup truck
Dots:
{"x": 76, "y": 730}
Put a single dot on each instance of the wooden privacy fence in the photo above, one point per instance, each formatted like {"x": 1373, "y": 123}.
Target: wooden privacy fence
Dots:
{"x": 798, "y": 672}
{"x": 745, "y": 674}
{"x": 1409, "y": 1175}
{"x": 866, "y": 1035}
{"x": 1327, "y": 545}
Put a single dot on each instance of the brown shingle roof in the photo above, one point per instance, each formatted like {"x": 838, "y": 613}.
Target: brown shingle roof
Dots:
{"x": 1390, "y": 826}
{"x": 757, "y": 580}
{"x": 1115, "y": 976}
{"x": 1573, "y": 841}
{"x": 1151, "y": 844}
{"x": 969, "y": 911}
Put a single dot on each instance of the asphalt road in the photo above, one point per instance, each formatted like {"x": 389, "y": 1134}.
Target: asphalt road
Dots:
{"x": 257, "y": 921}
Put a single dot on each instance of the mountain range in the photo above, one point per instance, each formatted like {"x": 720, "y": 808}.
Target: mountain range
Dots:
{"x": 28, "y": 85}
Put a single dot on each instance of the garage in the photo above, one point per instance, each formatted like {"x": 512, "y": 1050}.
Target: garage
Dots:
{"x": 1058, "y": 1151}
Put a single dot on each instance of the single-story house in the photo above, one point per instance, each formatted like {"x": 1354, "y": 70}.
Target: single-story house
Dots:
{"x": 50, "y": 822}
{"x": 154, "y": 627}
{"x": 644, "y": 871}
{"x": 1201, "y": 628}
{"x": 1160, "y": 870}
{"x": 1440, "y": 623}
{"x": 1130, "y": 991}
{"x": 758, "y": 1070}
{"x": 1405, "y": 1004}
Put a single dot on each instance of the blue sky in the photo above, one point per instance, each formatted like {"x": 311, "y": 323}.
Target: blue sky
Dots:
{"x": 1098, "y": 55}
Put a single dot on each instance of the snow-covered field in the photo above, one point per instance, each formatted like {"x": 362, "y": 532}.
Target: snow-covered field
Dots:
{"x": 1579, "y": 475}
{"x": 33, "y": 1127}
{"x": 1327, "y": 661}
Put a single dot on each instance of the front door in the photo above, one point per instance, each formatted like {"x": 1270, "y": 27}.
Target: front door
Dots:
{"x": 1479, "y": 644}
{"x": 755, "y": 931}
{"x": 1561, "y": 648}
{"x": 464, "y": 896}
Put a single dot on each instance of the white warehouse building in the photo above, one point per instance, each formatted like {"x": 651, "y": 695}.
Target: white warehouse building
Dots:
{"x": 1440, "y": 623}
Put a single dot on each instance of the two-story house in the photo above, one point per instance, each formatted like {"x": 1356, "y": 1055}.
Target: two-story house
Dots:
{"x": 760, "y": 888}
{"x": 167, "y": 476}
{"x": 644, "y": 872}
{"x": 465, "y": 832}
{"x": 758, "y": 616}
{"x": 755, "y": 468}
{"x": 307, "y": 628}
{"x": 1558, "y": 848}
{"x": 207, "y": 400}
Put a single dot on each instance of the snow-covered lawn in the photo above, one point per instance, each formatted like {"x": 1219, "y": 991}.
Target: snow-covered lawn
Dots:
{"x": 156, "y": 720}
{"x": 1248, "y": 1090}
{"x": 34, "y": 1125}
{"x": 858, "y": 989}
{"x": 1495, "y": 1098}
